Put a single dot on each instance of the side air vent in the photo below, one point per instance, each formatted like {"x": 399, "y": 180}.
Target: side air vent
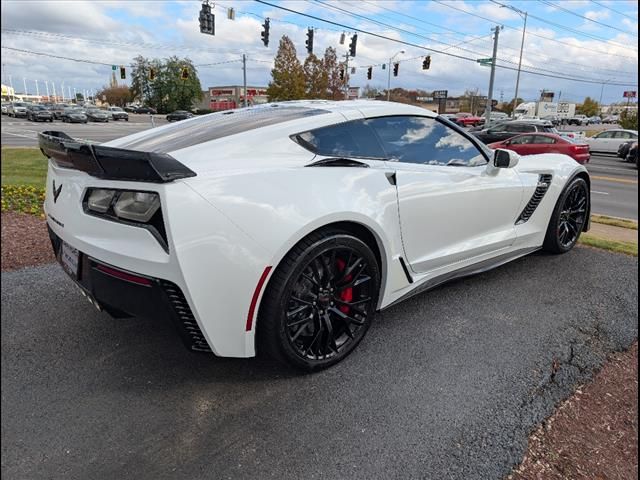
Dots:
{"x": 187, "y": 324}
{"x": 338, "y": 162}
{"x": 544, "y": 181}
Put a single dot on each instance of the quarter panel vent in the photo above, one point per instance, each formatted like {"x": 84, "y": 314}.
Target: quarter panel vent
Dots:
{"x": 544, "y": 181}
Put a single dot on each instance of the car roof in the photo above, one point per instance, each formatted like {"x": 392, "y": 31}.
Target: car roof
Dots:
{"x": 368, "y": 108}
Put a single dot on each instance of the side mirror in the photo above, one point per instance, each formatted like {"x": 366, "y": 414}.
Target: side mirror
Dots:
{"x": 505, "y": 158}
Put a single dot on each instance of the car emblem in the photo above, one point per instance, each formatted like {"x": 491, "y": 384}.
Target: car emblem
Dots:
{"x": 56, "y": 191}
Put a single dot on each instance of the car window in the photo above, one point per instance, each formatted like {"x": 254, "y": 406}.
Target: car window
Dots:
{"x": 544, "y": 139}
{"x": 520, "y": 128}
{"x": 351, "y": 139}
{"x": 425, "y": 141}
{"x": 521, "y": 140}
{"x": 626, "y": 135}
{"x": 604, "y": 135}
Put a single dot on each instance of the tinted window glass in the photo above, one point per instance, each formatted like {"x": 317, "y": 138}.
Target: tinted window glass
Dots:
{"x": 520, "y": 128}
{"x": 625, "y": 135}
{"x": 604, "y": 135}
{"x": 521, "y": 140}
{"x": 351, "y": 139}
{"x": 217, "y": 125}
{"x": 425, "y": 141}
{"x": 544, "y": 140}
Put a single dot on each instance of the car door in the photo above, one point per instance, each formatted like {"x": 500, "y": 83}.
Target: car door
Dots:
{"x": 603, "y": 142}
{"x": 620, "y": 137}
{"x": 522, "y": 144}
{"x": 452, "y": 207}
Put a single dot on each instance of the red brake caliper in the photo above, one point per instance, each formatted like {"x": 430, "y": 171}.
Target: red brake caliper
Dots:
{"x": 346, "y": 295}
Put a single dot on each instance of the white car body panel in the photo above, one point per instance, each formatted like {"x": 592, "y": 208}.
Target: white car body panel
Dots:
{"x": 601, "y": 142}
{"x": 254, "y": 198}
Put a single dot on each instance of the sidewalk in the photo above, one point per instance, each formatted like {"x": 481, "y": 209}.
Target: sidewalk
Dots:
{"x": 609, "y": 232}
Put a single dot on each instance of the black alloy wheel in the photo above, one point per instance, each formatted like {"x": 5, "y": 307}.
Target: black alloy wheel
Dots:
{"x": 320, "y": 301}
{"x": 569, "y": 217}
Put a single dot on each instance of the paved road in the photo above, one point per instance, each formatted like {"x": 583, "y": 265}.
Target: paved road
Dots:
{"x": 23, "y": 133}
{"x": 614, "y": 189}
{"x": 446, "y": 385}
{"x": 615, "y": 194}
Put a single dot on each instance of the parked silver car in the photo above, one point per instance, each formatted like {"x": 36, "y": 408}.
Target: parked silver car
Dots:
{"x": 17, "y": 109}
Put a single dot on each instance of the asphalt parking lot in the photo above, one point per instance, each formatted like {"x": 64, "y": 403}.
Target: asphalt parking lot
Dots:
{"x": 614, "y": 191}
{"x": 446, "y": 385}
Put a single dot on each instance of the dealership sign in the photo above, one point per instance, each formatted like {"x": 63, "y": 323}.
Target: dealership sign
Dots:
{"x": 630, "y": 94}
{"x": 440, "y": 94}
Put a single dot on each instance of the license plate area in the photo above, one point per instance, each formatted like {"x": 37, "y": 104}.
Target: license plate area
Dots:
{"x": 69, "y": 259}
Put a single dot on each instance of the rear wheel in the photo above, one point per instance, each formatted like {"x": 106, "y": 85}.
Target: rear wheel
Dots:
{"x": 569, "y": 217}
{"x": 320, "y": 301}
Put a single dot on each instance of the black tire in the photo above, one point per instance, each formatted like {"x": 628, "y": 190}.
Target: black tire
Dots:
{"x": 321, "y": 301}
{"x": 569, "y": 217}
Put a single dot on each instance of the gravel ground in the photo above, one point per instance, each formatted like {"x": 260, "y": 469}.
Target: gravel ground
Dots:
{"x": 25, "y": 241}
{"x": 447, "y": 385}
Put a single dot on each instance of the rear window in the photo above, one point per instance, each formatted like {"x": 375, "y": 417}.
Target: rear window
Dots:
{"x": 218, "y": 125}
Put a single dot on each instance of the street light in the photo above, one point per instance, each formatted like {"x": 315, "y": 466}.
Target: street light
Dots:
{"x": 524, "y": 29}
{"x": 401, "y": 52}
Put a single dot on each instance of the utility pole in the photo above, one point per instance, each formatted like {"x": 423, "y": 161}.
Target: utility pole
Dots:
{"x": 37, "y": 89}
{"x": 401, "y": 52}
{"x": 524, "y": 15}
{"x": 24, "y": 82}
{"x": 346, "y": 75}
{"x": 244, "y": 77}
{"x": 487, "y": 112}
{"x": 46, "y": 84}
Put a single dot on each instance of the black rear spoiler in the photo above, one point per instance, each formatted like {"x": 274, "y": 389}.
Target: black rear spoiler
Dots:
{"x": 111, "y": 163}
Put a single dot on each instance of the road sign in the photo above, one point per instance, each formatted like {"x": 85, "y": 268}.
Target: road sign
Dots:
{"x": 440, "y": 94}
{"x": 114, "y": 68}
{"x": 494, "y": 103}
{"x": 484, "y": 61}
{"x": 630, "y": 94}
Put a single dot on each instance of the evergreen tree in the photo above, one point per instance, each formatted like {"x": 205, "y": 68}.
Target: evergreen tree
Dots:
{"x": 288, "y": 79}
{"x": 316, "y": 77}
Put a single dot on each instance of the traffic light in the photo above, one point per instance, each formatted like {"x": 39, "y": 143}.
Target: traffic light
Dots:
{"x": 309, "y": 41}
{"x": 207, "y": 19}
{"x": 265, "y": 32}
{"x": 152, "y": 74}
{"x": 426, "y": 63}
{"x": 396, "y": 66}
{"x": 341, "y": 73}
{"x": 123, "y": 74}
{"x": 352, "y": 45}
{"x": 369, "y": 73}
{"x": 184, "y": 74}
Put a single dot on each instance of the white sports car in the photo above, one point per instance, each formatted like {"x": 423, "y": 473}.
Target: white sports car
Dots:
{"x": 281, "y": 229}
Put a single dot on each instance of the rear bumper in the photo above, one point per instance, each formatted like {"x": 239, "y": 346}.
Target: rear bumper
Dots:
{"x": 122, "y": 293}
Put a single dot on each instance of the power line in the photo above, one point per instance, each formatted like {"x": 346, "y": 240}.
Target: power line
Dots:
{"x": 410, "y": 44}
{"x": 422, "y": 36}
{"x": 615, "y": 11}
{"x": 94, "y": 62}
{"x": 546, "y": 2}
{"x": 546, "y": 57}
{"x": 533, "y": 33}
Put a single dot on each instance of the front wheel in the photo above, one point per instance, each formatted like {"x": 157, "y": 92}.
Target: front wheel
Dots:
{"x": 569, "y": 217}
{"x": 320, "y": 301}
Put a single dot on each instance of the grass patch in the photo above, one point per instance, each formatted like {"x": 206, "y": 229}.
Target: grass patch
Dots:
{"x": 23, "y": 166}
{"x": 615, "y": 222}
{"x": 24, "y": 171}
{"x": 627, "y": 248}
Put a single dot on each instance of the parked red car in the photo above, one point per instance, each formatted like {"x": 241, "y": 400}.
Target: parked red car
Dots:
{"x": 468, "y": 120}
{"x": 533, "y": 143}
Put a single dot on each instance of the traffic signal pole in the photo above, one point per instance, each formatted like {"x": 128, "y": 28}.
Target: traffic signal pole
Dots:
{"x": 487, "y": 111}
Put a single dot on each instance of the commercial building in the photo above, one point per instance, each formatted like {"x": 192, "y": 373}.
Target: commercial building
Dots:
{"x": 230, "y": 97}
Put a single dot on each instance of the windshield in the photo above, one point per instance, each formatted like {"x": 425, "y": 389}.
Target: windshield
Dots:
{"x": 116, "y": 109}
{"x": 19, "y": 104}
